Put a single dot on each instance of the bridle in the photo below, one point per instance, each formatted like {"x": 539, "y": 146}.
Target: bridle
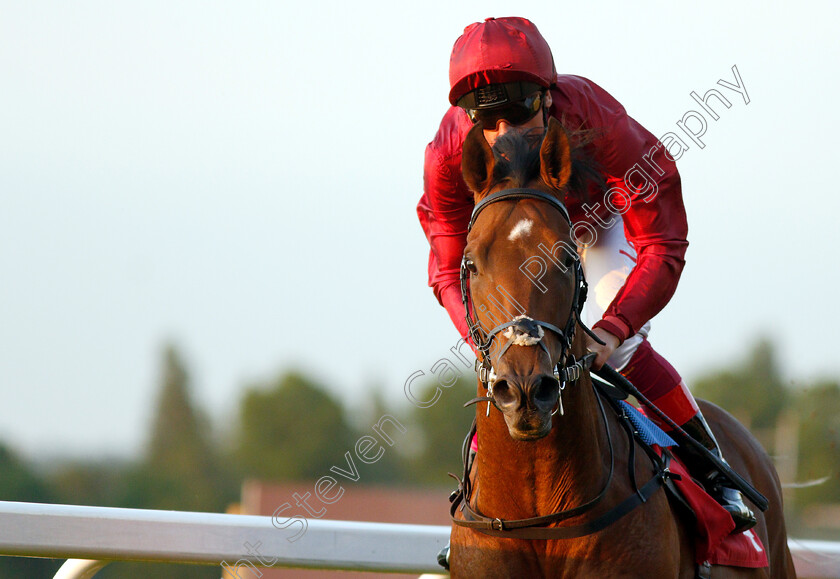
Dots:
{"x": 567, "y": 369}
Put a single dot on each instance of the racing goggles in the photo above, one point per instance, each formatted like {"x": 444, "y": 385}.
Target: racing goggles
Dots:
{"x": 515, "y": 113}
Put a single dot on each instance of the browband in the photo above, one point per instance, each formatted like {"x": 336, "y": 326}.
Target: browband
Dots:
{"x": 518, "y": 193}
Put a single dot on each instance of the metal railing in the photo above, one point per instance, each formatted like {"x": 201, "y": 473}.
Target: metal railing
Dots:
{"x": 92, "y": 536}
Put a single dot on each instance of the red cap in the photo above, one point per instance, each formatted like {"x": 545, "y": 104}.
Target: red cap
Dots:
{"x": 499, "y": 50}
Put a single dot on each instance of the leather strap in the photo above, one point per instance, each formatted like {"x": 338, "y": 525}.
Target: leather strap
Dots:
{"x": 528, "y": 528}
{"x": 519, "y": 193}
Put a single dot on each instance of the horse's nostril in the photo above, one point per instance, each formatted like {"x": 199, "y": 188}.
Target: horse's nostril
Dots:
{"x": 546, "y": 390}
{"x": 507, "y": 395}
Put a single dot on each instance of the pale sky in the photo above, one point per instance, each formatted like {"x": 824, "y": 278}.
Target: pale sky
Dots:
{"x": 241, "y": 178}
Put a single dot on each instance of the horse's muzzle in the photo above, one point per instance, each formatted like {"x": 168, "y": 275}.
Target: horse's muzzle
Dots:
{"x": 527, "y": 403}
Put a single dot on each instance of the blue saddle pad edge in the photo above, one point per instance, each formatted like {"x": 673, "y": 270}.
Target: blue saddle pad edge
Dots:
{"x": 648, "y": 431}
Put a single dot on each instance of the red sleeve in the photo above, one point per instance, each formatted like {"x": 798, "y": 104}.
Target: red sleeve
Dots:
{"x": 444, "y": 211}
{"x": 653, "y": 213}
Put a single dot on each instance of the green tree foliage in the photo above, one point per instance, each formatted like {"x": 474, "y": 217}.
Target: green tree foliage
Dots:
{"x": 18, "y": 481}
{"x": 819, "y": 442}
{"x": 390, "y": 469}
{"x": 441, "y": 429}
{"x": 180, "y": 470}
{"x": 89, "y": 483}
{"x": 291, "y": 429}
{"x": 752, "y": 390}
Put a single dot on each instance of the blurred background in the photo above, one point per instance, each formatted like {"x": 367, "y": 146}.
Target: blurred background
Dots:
{"x": 213, "y": 276}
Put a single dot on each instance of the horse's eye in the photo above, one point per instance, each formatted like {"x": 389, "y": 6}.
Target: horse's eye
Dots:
{"x": 470, "y": 265}
{"x": 570, "y": 260}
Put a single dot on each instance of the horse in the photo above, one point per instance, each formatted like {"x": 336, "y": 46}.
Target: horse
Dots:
{"x": 550, "y": 456}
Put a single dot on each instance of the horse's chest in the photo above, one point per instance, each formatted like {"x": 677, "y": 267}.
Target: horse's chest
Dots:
{"x": 605, "y": 556}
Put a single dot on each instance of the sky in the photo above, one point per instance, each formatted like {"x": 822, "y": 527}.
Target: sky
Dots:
{"x": 240, "y": 179}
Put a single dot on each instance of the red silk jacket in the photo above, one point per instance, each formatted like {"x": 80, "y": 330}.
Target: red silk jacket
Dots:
{"x": 644, "y": 188}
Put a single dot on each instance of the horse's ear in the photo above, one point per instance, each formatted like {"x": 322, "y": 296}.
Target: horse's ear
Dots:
{"x": 555, "y": 156}
{"x": 477, "y": 160}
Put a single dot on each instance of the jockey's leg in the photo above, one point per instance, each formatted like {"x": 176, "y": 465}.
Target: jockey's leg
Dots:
{"x": 662, "y": 385}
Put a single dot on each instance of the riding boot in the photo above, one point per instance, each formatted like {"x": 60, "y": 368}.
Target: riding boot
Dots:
{"x": 711, "y": 478}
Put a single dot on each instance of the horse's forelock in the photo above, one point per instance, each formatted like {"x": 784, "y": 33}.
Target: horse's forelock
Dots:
{"x": 518, "y": 160}
{"x": 517, "y": 157}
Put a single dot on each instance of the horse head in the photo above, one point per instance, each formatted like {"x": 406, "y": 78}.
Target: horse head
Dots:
{"x": 523, "y": 324}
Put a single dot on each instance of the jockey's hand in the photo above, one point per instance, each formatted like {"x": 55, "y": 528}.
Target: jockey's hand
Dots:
{"x": 604, "y": 352}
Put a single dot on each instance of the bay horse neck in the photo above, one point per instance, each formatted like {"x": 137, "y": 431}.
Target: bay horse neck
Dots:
{"x": 530, "y": 461}
{"x": 563, "y": 470}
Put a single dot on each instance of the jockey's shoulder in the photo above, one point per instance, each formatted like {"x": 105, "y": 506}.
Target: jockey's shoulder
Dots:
{"x": 450, "y": 135}
{"x": 582, "y": 100}
{"x": 574, "y": 86}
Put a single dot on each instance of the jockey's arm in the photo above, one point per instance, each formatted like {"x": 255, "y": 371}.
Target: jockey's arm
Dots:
{"x": 444, "y": 212}
{"x": 654, "y": 222}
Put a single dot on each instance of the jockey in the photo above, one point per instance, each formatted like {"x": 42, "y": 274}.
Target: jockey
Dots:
{"x": 502, "y": 73}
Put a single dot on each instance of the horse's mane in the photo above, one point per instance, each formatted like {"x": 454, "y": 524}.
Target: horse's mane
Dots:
{"x": 518, "y": 161}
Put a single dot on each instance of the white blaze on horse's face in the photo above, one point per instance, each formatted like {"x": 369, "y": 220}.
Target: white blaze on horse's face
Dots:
{"x": 521, "y": 230}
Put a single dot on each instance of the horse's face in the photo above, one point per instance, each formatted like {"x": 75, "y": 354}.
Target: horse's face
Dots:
{"x": 501, "y": 248}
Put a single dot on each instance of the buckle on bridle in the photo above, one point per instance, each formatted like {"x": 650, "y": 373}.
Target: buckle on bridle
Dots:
{"x": 497, "y": 524}
{"x": 571, "y": 373}
{"x": 483, "y": 372}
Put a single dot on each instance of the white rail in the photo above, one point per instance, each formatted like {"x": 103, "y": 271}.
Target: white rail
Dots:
{"x": 100, "y": 533}
{"x": 91, "y": 536}
{"x": 817, "y": 559}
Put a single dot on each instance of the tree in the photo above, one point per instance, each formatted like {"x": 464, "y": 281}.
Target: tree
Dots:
{"x": 89, "y": 483}
{"x": 753, "y": 390}
{"x": 180, "y": 470}
{"x": 391, "y": 467}
{"x": 18, "y": 481}
{"x": 441, "y": 429}
{"x": 819, "y": 443}
{"x": 291, "y": 429}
